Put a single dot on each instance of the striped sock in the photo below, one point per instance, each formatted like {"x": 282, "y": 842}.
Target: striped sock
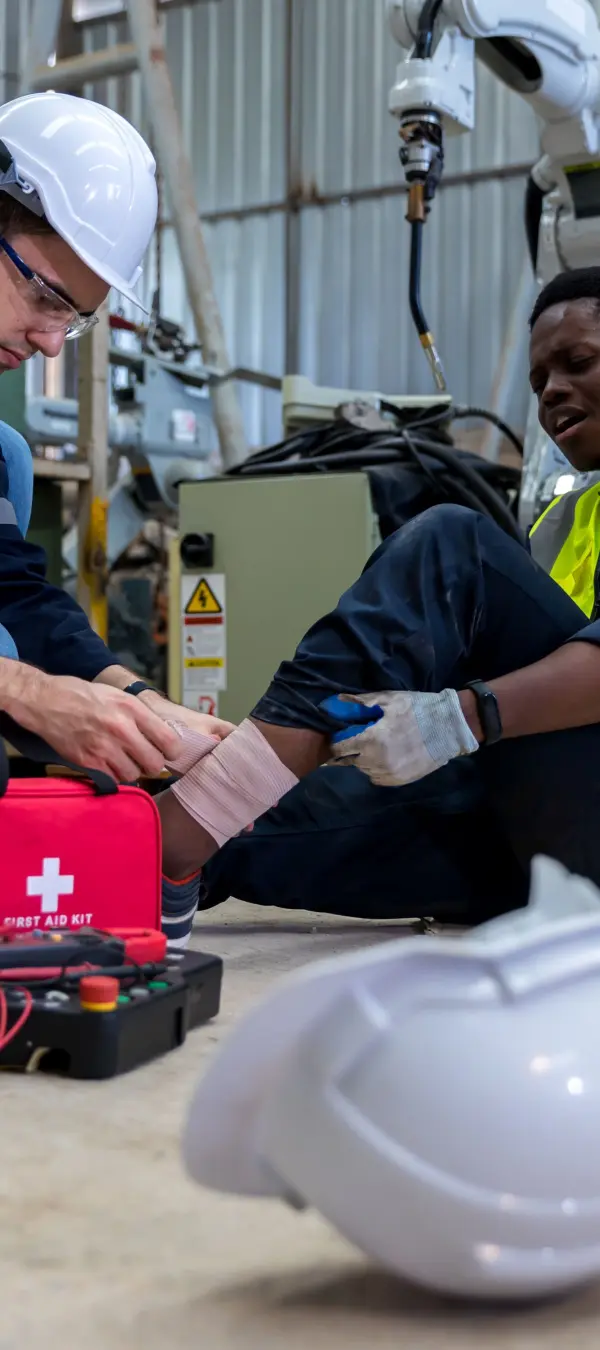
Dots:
{"x": 180, "y": 900}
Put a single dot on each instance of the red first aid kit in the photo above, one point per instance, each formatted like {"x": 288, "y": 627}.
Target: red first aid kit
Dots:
{"x": 75, "y": 856}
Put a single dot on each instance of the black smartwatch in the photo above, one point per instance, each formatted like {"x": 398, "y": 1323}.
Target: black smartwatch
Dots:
{"x": 138, "y": 687}
{"x": 488, "y": 711}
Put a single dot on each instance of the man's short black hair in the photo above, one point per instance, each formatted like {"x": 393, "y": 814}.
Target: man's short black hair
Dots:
{"x": 581, "y": 284}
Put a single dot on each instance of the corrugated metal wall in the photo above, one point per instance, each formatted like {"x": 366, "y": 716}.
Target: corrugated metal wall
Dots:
{"x": 9, "y": 49}
{"x": 346, "y": 232}
{"x": 355, "y": 326}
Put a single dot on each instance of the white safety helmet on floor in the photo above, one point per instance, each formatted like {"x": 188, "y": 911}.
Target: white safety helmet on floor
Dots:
{"x": 90, "y": 173}
{"x": 436, "y": 1098}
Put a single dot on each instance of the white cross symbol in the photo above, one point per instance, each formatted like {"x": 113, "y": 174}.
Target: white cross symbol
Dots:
{"x": 50, "y": 885}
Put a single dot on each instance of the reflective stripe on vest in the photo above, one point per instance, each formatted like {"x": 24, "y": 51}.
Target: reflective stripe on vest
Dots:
{"x": 565, "y": 541}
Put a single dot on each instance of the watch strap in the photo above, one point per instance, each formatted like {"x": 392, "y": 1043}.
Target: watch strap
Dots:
{"x": 488, "y": 711}
{"x": 138, "y": 687}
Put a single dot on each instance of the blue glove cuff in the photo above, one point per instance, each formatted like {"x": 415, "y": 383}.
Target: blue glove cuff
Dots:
{"x": 354, "y": 716}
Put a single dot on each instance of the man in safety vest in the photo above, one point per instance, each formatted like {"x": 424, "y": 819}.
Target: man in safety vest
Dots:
{"x": 465, "y": 641}
{"x": 566, "y": 538}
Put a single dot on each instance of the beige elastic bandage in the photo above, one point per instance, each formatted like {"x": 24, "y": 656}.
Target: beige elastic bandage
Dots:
{"x": 231, "y": 787}
{"x": 194, "y": 746}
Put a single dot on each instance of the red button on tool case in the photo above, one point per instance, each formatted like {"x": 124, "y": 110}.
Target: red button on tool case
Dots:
{"x": 72, "y": 857}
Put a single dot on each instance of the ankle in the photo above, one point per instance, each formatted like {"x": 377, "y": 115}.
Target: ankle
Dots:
{"x": 185, "y": 845}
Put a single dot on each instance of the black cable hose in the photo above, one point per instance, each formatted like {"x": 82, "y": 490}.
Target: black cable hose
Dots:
{"x": 427, "y": 19}
{"x": 428, "y": 473}
{"x": 307, "y": 443}
{"x": 422, "y": 419}
{"x": 414, "y": 277}
{"x": 421, "y": 438}
{"x": 477, "y": 499}
{"x": 534, "y": 202}
{"x": 386, "y": 452}
{"x": 496, "y": 508}
{"x": 462, "y": 413}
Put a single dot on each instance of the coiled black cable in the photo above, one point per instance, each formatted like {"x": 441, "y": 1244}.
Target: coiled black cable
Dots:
{"x": 461, "y": 413}
{"x": 422, "y": 439}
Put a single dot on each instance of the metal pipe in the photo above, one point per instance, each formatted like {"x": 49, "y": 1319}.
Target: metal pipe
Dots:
{"x": 427, "y": 21}
{"x": 76, "y": 71}
{"x": 41, "y": 38}
{"x": 292, "y": 136}
{"x": 304, "y": 202}
{"x": 92, "y": 441}
{"x": 115, "y": 9}
{"x": 177, "y": 175}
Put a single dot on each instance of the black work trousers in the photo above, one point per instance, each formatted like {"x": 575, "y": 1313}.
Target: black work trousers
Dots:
{"x": 446, "y": 599}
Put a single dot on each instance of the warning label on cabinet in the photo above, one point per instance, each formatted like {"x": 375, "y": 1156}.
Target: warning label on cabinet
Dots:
{"x": 204, "y": 638}
{"x": 203, "y": 600}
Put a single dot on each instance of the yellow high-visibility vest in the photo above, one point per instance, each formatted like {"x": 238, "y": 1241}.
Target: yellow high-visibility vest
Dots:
{"x": 565, "y": 541}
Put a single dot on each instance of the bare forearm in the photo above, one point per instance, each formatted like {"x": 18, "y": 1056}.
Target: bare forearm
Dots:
{"x": 118, "y": 677}
{"x": 560, "y": 692}
{"x": 21, "y": 689}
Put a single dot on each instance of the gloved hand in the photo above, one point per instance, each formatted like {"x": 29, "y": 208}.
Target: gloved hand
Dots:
{"x": 397, "y": 738}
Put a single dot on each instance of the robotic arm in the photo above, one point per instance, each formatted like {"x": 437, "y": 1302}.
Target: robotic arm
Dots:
{"x": 548, "y": 51}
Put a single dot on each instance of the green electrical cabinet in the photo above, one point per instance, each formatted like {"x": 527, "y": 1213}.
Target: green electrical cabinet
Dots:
{"x": 45, "y": 528}
{"x": 284, "y": 550}
{"x": 12, "y": 399}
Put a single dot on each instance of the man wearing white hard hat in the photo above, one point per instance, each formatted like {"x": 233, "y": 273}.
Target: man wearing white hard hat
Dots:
{"x": 78, "y": 205}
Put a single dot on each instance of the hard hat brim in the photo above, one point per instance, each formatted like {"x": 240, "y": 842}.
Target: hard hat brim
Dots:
{"x": 218, "y": 1145}
{"x": 113, "y": 280}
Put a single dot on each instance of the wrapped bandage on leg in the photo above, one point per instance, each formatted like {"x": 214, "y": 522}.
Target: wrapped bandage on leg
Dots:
{"x": 194, "y": 746}
{"x": 181, "y": 899}
{"x": 234, "y": 785}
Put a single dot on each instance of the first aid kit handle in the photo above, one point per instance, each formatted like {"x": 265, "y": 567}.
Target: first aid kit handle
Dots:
{"x": 33, "y": 747}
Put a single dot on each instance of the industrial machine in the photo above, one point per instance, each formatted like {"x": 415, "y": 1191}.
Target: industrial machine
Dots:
{"x": 235, "y": 612}
{"x": 160, "y": 422}
{"x": 548, "y": 52}
{"x": 268, "y": 562}
{"x": 266, "y": 550}
{"x": 160, "y": 431}
{"x": 258, "y": 561}
{"x": 238, "y": 611}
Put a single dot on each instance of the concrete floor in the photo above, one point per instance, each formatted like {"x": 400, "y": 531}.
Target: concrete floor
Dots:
{"x": 104, "y": 1242}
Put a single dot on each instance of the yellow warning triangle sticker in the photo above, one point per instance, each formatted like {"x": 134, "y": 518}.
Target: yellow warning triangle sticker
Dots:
{"x": 203, "y": 600}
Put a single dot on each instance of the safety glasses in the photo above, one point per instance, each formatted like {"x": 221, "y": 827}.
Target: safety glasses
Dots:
{"x": 53, "y": 314}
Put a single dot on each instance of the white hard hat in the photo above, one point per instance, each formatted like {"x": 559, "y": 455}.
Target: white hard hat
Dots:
{"x": 92, "y": 175}
{"x": 437, "y": 1099}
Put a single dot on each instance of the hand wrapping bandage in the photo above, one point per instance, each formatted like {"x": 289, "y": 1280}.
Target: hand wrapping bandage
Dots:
{"x": 235, "y": 784}
{"x": 194, "y": 746}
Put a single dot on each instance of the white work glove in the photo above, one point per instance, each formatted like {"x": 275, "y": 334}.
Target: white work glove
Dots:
{"x": 416, "y": 735}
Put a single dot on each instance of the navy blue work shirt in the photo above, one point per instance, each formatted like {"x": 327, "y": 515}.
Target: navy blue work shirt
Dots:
{"x": 49, "y": 629}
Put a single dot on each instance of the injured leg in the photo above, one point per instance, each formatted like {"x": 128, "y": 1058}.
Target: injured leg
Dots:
{"x": 446, "y": 599}
{"x": 224, "y": 792}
